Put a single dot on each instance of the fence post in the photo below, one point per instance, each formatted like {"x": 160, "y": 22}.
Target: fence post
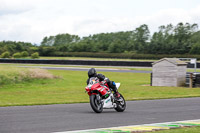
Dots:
{"x": 151, "y": 78}
{"x": 191, "y": 80}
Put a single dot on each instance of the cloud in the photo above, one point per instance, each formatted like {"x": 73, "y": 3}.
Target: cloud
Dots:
{"x": 14, "y": 7}
{"x": 32, "y": 20}
{"x": 174, "y": 16}
{"x": 163, "y": 17}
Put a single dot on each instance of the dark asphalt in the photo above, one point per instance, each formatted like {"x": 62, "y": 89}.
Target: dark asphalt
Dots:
{"x": 86, "y": 69}
{"x": 66, "y": 117}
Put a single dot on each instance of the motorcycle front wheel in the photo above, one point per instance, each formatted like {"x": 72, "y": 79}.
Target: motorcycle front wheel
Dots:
{"x": 121, "y": 104}
{"x": 96, "y": 104}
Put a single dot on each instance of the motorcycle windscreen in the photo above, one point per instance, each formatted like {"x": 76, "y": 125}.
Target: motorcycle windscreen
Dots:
{"x": 117, "y": 85}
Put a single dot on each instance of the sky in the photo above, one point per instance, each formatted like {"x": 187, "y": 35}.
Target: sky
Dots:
{"x": 32, "y": 20}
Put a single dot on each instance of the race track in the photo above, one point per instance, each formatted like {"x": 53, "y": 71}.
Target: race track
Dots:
{"x": 86, "y": 69}
{"x": 67, "y": 117}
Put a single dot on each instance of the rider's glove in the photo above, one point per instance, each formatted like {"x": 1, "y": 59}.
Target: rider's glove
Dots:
{"x": 101, "y": 77}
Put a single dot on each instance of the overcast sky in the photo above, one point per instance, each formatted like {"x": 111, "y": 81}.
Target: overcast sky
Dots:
{"x": 32, "y": 20}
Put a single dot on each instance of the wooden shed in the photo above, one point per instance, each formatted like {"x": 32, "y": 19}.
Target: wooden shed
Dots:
{"x": 169, "y": 72}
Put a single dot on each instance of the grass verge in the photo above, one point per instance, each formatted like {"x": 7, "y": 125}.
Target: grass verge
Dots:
{"x": 182, "y": 130}
{"x": 88, "y": 58}
{"x": 82, "y": 66}
{"x": 70, "y": 89}
{"x": 9, "y": 75}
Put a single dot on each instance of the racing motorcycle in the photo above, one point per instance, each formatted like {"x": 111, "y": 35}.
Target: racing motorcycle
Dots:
{"x": 101, "y": 97}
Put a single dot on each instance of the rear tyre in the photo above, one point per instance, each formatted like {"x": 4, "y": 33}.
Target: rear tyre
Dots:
{"x": 96, "y": 103}
{"x": 121, "y": 104}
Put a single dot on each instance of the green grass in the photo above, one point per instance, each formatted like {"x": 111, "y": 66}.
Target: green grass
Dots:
{"x": 90, "y": 58}
{"x": 81, "y": 66}
{"x": 10, "y": 74}
{"x": 71, "y": 89}
{"x": 182, "y": 130}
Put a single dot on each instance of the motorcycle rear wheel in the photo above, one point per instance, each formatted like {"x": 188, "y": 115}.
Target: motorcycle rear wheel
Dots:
{"x": 121, "y": 104}
{"x": 96, "y": 104}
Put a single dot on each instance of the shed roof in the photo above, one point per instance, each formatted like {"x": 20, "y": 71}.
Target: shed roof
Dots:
{"x": 174, "y": 61}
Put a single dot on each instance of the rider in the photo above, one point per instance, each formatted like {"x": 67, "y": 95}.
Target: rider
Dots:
{"x": 92, "y": 73}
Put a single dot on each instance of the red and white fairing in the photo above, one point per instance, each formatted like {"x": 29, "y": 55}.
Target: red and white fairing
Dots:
{"x": 95, "y": 86}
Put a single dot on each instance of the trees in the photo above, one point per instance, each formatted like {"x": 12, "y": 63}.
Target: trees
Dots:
{"x": 140, "y": 37}
{"x": 173, "y": 39}
{"x": 17, "y": 55}
{"x": 116, "y": 46}
{"x": 169, "y": 39}
{"x": 195, "y": 48}
{"x": 24, "y": 54}
{"x": 5, "y": 55}
{"x": 162, "y": 41}
{"x": 35, "y": 55}
{"x": 59, "y": 40}
{"x": 62, "y": 39}
{"x": 14, "y": 47}
{"x": 46, "y": 50}
{"x": 48, "y": 41}
{"x": 183, "y": 38}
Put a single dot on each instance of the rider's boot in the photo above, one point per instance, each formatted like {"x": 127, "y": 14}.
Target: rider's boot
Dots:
{"x": 116, "y": 94}
{"x": 112, "y": 85}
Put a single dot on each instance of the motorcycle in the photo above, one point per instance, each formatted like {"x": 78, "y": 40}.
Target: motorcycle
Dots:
{"x": 101, "y": 97}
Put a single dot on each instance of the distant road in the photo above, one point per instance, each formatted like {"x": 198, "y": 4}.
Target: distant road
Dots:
{"x": 86, "y": 69}
{"x": 67, "y": 117}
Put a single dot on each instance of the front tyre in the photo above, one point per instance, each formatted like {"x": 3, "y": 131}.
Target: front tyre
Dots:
{"x": 96, "y": 103}
{"x": 121, "y": 104}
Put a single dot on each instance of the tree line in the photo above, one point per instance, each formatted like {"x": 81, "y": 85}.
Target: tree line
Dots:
{"x": 18, "y": 49}
{"x": 183, "y": 38}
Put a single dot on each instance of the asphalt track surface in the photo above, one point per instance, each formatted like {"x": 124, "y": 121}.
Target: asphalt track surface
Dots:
{"x": 86, "y": 69}
{"x": 68, "y": 117}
